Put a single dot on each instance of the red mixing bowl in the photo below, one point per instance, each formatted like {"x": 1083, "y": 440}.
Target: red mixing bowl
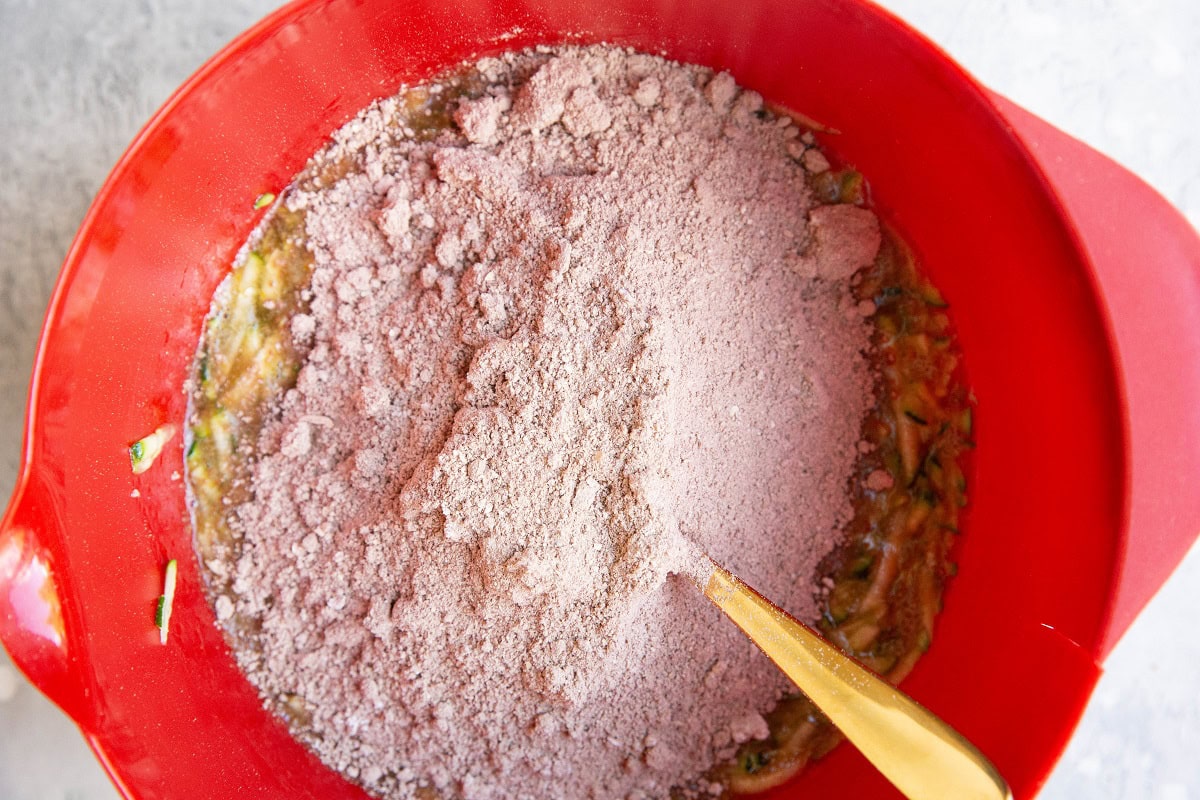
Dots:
{"x": 1075, "y": 288}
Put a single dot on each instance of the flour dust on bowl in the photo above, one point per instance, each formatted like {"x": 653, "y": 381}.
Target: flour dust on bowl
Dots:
{"x": 82, "y": 561}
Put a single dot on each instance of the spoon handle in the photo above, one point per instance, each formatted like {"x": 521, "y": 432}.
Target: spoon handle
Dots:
{"x": 922, "y": 756}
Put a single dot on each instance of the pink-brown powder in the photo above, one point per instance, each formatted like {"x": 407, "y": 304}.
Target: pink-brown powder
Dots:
{"x": 599, "y": 320}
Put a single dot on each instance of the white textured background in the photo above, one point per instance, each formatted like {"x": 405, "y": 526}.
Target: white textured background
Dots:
{"x": 79, "y": 77}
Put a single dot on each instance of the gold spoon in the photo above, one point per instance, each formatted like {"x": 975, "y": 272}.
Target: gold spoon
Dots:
{"x": 922, "y": 756}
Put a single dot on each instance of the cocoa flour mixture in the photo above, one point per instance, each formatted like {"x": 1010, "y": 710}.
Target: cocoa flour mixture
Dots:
{"x": 596, "y": 317}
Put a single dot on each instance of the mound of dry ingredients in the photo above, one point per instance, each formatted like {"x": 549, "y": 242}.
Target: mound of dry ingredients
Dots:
{"x": 600, "y": 311}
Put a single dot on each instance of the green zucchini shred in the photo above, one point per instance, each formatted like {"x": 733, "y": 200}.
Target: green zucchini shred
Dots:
{"x": 931, "y": 296}
{"x": 860, "y": 568}
{"x": 754, "y": 761}
{"x": 166, "y": 601}
{"x": 144, "y": 451}
{"x": 850, "y": 187}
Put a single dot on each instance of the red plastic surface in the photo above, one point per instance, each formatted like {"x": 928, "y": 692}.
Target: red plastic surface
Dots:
{"x": 1147, "y": 261}
{"x": 1015, "y": 651}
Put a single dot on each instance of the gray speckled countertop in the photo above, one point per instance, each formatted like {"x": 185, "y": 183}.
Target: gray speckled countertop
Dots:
{"x": 79, "y": 77}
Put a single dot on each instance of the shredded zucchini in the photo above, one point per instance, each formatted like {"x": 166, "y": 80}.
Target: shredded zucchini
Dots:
{"x": 144, "y": 451}
{"x": 247, "y": 358}
{"x": 162, "y": 613}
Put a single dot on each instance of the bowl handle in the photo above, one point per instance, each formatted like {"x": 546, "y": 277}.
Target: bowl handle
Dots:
{"x": 1146, "y": 261}
{"x": 33, "y": 617}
